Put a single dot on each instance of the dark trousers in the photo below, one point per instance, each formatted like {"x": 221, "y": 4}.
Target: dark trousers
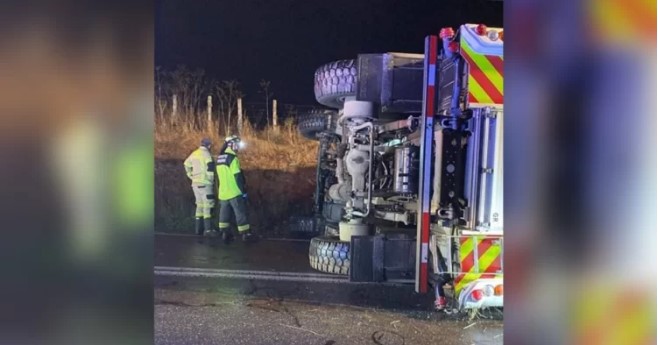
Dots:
{"x": 237, "y": 206}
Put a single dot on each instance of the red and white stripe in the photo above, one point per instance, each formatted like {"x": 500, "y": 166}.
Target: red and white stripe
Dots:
{"x": 429, "y": 97}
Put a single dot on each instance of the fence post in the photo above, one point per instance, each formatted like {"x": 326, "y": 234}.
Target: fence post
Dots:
{"x": 275, "y": 118}
{"x": 239, "y": 116}
{"x": 209, "y": 124}
{"x": 174, "y": 108}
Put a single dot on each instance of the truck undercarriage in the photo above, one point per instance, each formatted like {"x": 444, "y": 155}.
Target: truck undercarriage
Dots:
{"x": 410, "y": 168}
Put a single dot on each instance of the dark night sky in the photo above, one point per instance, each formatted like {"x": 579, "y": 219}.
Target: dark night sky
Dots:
{"x": 284, "y": 41}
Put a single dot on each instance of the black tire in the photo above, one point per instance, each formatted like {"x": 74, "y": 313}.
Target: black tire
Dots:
{"x": 314, "y": 122}
{"x": 335, "y": 81}
{"x": 329, "y": 255}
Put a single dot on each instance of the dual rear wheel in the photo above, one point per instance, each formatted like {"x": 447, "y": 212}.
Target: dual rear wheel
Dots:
{"x": 333, "y": 83}
{"x": 329, "y": 255}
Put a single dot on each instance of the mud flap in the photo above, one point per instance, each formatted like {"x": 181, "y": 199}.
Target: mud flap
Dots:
{"x": 382, "y": 257}
{"x": 367, "y": 259}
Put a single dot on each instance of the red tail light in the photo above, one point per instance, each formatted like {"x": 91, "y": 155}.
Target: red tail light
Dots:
{"x": 446, "y": 33}
{"x": 453, "y": 46}
{"x": 477, "y": 295}
{"x": 481, "y": 30}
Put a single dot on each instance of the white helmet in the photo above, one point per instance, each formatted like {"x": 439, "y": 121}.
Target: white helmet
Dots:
{"x": 234, "y": 142}
{"x": 232, "y": 138}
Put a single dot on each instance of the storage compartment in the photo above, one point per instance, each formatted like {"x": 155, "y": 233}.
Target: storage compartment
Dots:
{"x": 393, "y": 81}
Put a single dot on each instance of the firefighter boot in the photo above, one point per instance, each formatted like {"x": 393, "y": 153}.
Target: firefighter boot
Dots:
{"x": 249, "y": 237}
{"x": 207, "y": 226}
{"x": 210, "y": 233}
{"x": 198, "y": 226}
{"x": 227, "y": 236}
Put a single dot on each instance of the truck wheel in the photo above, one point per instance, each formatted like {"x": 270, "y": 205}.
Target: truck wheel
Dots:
{"x": 335, "y": 81}
{"x": 314, "y": 122}
{"x": 329, "y": 255}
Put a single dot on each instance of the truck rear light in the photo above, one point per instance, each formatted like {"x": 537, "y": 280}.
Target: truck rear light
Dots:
{"x": 493, "y": 35}
{"x": 446, "y": 33}
{"x": 489, "y": 290}
{"x": 453, "y": 46}
{"x": 500, "y": 35}
{"x": 498, "y": 290}
{"x": 477, "y": 295}
{"x": 481, "y": 30}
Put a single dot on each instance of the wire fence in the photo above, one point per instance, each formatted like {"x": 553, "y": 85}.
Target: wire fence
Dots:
{"x": 258, "y": 114}
{"x": 188, "y": 96}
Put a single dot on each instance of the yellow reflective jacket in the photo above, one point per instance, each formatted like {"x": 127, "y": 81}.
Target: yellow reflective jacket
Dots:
{"x": 200, "y": 168}
{"x": 231, "y": 179}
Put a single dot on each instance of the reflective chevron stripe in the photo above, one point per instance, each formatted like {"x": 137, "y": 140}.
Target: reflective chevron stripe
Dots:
{"x": 485, "y": 77}
{"x": 479, "y": 257}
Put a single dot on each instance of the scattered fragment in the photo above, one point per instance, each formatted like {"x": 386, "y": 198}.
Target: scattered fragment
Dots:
{"x": 394, "y": 324}
{"x": 302, "y": 329}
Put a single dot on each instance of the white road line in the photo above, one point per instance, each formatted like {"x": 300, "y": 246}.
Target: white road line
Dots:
{"x": 231, "y": 271}
{"x": 286, "y": 239}
{"x": 262, "y": 239}
{"x": 259, "y": 275}
{"x": 174, "y": 234}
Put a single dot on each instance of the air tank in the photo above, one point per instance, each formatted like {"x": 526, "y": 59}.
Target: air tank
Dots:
{"x": 405, "y": 170}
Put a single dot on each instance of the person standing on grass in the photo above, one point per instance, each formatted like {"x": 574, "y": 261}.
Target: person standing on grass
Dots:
{"x": 200, "y": 169}
{"x": 232, "y": 191}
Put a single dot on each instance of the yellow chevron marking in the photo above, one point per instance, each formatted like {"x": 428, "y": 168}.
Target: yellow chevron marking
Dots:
{"x": 467, "y": 278}
{"x": 488, "y": 257}
{"x": 465, "y": 248}
{"x": 484, "y": 261}
{"x": 487, "y": 68}
{"x": 477, "y": 91}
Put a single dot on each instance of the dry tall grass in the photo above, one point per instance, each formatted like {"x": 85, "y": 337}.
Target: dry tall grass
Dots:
{"x": 279, "y": 166}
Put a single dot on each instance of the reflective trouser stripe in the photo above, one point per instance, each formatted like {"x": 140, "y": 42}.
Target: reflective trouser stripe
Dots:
{"x": 224, "y": 225}
{"x": 204, "y": 209}
{"x": 201, "y": 181}
{"x": 203, "y": 204}
{"x": 238, "y": 207}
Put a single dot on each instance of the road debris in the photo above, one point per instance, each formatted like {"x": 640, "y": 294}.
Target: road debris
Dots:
{"x": 302, "y": 329}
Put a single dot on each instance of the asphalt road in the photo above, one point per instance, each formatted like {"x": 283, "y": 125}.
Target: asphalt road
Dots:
{"x": 273, "y": 255}
{"x": 265, "y": 293}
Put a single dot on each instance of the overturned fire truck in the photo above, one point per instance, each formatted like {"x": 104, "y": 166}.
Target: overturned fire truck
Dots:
{"x": 410, "y": 167}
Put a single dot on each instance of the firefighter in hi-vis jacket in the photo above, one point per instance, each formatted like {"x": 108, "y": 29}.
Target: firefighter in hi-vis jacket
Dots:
{"x": 232, "y": 191}
{"x": 199, "y": 167}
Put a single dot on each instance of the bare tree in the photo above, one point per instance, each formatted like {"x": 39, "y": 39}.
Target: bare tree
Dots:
{"x": 265, "y": 90}
{"x": 160, "y": 96}
{"x": 189, "y": 86}
{"x": 290, "y": 111}
{"x": 228, "y": 92}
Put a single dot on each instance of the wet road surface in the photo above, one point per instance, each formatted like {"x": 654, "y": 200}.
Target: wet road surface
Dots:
{"x": 267, "y": 255}
{"x": 222, "y": 309}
